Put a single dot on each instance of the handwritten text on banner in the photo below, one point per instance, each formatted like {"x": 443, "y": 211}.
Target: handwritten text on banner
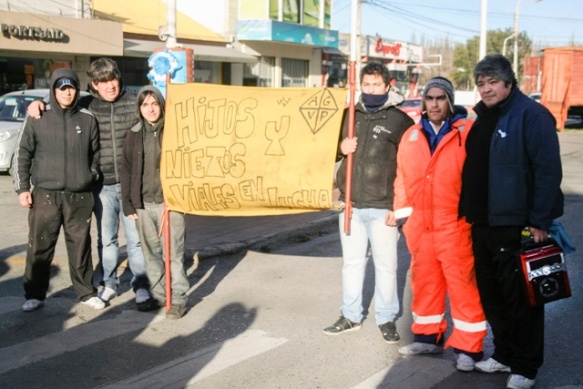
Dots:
{"x": 246, "y": 151}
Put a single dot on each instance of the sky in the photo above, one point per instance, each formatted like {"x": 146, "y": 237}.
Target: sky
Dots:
{"x": 549, "y": 23}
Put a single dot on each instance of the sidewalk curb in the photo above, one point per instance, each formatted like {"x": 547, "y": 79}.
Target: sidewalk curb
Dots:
{"x": 251, "y": 241}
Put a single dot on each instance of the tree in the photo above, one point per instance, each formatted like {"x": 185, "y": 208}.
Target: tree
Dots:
{"x": 466, "y": 56}
{"x": 461, "y": 76}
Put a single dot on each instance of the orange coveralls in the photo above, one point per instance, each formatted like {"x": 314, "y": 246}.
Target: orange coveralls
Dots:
{"x": 427, "y": 190}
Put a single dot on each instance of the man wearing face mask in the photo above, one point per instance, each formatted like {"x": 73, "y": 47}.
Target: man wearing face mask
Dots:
{"x": 379, "y": 125}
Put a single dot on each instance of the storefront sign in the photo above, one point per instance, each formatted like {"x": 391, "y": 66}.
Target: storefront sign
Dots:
{"x": 272, "y": 30}
{"x": 393, "y": 50}
{"x": 387, "y": 49}
{"x": 31, "y": 32}
{"x": 34, "y": 33}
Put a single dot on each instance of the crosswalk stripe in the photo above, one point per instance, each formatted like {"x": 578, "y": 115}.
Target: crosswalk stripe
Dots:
{"x": 207, "y": 362}
{"x": 49, "y": 346}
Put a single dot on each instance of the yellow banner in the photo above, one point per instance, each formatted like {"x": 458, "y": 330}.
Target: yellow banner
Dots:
{"x": 247, "y": 151}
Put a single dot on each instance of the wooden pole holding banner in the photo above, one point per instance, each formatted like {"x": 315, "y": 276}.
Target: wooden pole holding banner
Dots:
{"x": 351, "y": 117}
{"x": 165, "y": 230}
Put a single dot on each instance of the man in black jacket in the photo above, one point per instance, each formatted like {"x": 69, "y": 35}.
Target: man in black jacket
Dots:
{"x": 378, "y": 130}
{"x": 59, "y": 155}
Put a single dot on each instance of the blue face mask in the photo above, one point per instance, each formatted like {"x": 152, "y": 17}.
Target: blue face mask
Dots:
{"x": 372, "y": 103}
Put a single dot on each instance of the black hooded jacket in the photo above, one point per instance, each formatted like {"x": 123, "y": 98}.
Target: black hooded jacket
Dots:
{"x": 59, "y": 151}
{"x": 140, "y": 168}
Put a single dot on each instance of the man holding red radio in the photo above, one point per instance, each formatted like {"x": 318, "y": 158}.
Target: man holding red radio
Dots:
{"x": 511, "y": 180}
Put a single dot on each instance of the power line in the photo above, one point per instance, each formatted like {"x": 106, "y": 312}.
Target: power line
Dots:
{"x": 412, "y": 16}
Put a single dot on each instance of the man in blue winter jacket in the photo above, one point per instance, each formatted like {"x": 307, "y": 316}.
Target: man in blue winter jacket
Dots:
{"x": 511, "y": 181}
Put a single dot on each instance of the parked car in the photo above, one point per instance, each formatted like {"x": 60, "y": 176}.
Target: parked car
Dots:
{"x": 412, "y": 107}
{"x": 13, "y": 106}
{"x": 574, "y": 121}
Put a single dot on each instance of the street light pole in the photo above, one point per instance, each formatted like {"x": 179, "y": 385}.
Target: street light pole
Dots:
{"x": 483, "y": 28}
{"x": 516, "y": 11}
{"x": 515, "y": 65}
{"x": 171, "y": 24}
{"x": 504, "y": 45}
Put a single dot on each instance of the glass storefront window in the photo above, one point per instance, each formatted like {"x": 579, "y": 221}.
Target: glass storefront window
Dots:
{"x": 207, "y": 72}
{"x": 260, "y": 73}
{"x": 294, "y": 72}
{"x": 27, "y": 73}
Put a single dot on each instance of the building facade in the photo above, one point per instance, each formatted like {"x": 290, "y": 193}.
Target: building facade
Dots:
{"x": 215, "y": 60}
{"x": 40, "y": 36}
{"x": 287, "y": 36}
{"x": 32, "y": 46}
{"x": 290, "y": 37}
{"x": 268, "y": 43}
{"x": 401, "y": 58}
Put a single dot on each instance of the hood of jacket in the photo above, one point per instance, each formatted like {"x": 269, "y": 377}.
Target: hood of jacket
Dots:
{"x": 57, "y": 74}
{"x": 157, "y": 96}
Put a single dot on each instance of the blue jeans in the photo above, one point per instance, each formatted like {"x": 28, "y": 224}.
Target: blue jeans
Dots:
{"x": 368, "y": 224}
{"x": 108, "y": 210}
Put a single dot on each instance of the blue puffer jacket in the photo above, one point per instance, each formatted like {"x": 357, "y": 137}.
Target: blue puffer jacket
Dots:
{"x": 525, "y": 165}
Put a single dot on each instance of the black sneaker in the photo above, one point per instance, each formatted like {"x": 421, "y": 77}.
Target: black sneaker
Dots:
{"x": 150, "y": 304}
{"x": 176, "y": 312}
{"x": 341, "y": 326}
{"x": 389, "y": 331}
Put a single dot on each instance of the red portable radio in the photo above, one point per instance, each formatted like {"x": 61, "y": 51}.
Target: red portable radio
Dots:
{"x": 545, "y": 272}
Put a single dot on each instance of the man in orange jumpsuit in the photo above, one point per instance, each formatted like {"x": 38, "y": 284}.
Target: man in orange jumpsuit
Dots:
{"x": 427, "y": 190}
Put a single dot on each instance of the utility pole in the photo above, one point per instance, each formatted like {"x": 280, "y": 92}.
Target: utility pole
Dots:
{"x": 357, "y": 52}
{"x": 515, "y": 64}
{"x": 483, "y": 29}
{"x": 483, "y": 40}
{"x": 171, "y": 24}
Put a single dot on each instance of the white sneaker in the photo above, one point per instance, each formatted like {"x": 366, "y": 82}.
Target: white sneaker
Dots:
{"x": 416, "y": 348}
{"x": 464, "y": 362}
{"x": 107, "y": 294}
{"x": 94, "y": 302}
{"x": 142, "y": 295}
{"x": 491, "y": 365}
{"x": 32, "y": 304}
{"x": 516, "y": 381}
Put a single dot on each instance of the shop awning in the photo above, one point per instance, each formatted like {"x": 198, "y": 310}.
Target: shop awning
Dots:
{"x": 143, "y": 48}
{"x": 145, "y": 17}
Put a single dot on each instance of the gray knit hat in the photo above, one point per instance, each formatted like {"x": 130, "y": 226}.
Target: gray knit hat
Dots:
{"x": 443, "y": 84}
